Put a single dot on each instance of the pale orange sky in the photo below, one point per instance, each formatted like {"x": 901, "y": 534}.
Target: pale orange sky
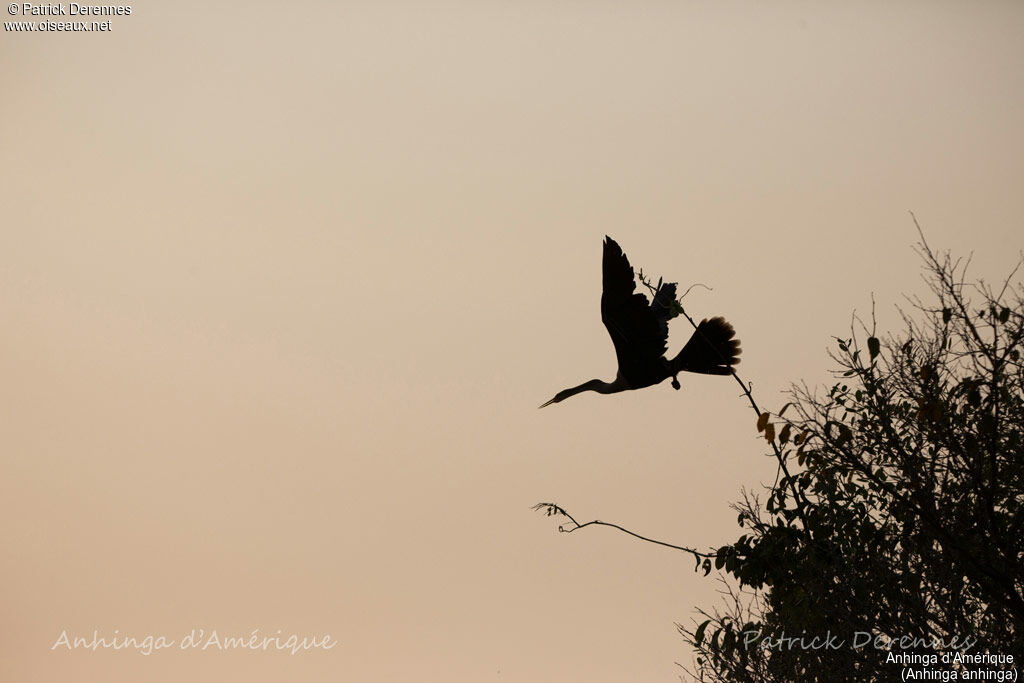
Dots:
{"x": 283, "y": 287}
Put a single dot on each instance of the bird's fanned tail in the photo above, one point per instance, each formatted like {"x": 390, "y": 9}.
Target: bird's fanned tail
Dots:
{"x": 712, "y": 350}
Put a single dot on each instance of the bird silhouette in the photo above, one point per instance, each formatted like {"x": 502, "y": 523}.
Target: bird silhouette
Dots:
{"x": 639, "y": 331}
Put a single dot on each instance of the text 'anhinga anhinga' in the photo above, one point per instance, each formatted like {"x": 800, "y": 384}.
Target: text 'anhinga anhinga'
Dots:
{"x": 639, "y": 331}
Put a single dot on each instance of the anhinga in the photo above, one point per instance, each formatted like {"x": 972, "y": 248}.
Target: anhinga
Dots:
{"x": 639, "y": 331}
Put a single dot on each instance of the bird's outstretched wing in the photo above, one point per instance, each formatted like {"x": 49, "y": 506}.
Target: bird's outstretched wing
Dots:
{"x": 637, "y": 331}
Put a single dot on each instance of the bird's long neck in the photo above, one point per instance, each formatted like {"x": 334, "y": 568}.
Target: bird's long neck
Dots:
{"x": 593, "y": 385}
{"x": 597, "y": 385}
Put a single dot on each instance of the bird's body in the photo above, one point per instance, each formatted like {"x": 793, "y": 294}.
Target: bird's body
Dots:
{"x": 639, "y": 331}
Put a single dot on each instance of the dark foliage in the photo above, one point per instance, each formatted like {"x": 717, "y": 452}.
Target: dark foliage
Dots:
{"x": 903, "y": 515}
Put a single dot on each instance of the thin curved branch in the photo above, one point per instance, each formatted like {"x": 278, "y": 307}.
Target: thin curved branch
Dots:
{"x": 695, "y": 284}
{"x": 550, "y": 509}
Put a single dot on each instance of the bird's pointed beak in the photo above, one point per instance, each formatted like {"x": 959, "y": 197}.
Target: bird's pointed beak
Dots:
{"x": 545, "y": 405}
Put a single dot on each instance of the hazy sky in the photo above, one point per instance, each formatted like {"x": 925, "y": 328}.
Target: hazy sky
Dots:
{"x": 281, "y": 289}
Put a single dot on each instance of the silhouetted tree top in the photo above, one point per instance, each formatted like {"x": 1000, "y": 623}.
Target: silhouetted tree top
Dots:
{"x": 904, "y": 515}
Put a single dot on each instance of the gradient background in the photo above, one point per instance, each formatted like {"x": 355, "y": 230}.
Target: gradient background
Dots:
{"x": 281, "y": 289}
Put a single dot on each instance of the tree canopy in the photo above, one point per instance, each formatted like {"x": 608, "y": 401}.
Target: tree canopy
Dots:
{"x": 897, "y": 521}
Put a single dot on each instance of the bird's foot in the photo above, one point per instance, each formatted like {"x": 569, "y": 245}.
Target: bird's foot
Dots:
{"x": 675, "y": 383}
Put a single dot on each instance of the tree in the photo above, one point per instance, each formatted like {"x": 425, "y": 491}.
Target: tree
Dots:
{"x": 897, "y": 519}
{"x": 903, "y": 522}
